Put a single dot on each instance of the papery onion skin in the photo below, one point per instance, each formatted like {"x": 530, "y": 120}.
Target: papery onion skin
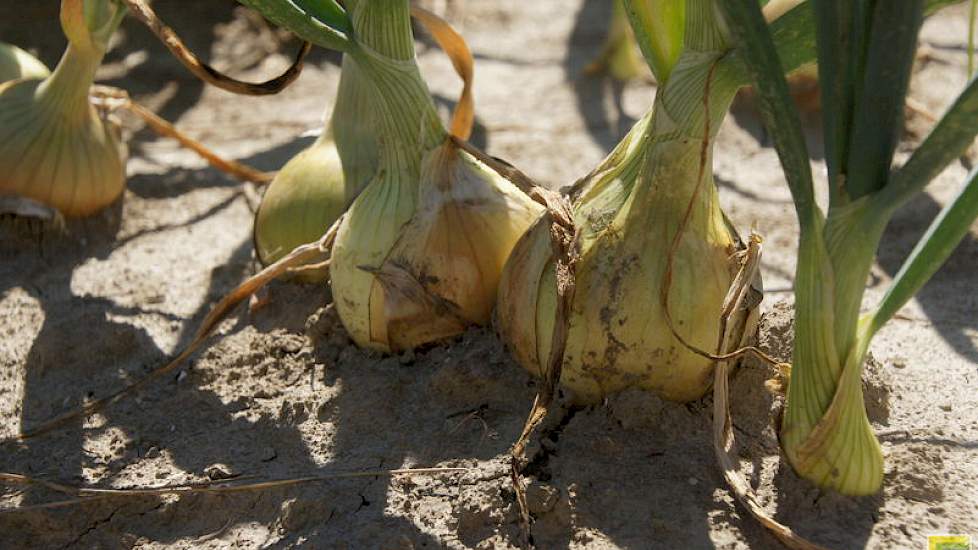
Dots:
{"x": 468, "y": 219}
{"x": 441, "y": 274}
{"x": 17, "y": 64}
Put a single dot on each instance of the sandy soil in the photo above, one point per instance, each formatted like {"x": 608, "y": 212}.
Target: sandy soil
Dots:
{"x": 282, "y": 392}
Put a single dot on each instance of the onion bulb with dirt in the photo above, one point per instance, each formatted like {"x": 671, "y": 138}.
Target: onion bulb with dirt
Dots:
{"x": 657, "y": 256}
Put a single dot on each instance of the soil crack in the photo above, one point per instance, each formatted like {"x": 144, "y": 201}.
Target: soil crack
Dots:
{"x": 538, "y": 466}
{"x": 98, "y": 523}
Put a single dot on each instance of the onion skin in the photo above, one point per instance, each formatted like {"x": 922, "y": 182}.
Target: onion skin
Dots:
{"x": 442, "y": 269}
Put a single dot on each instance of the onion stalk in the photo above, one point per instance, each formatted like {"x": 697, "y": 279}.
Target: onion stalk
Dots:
{"x": 54, "y": 147}
{"x": 864, "y": 60}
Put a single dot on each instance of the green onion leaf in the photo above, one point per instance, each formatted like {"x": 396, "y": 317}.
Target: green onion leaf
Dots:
{"x": 877, "y": 118}
{"x": 328, "y": 12}
{"x": 659, "y": 27}
{"x": 949, "y": 139}
{"x": 332, "y": 31}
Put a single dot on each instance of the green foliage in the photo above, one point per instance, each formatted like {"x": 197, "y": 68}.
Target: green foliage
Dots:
{"x": 865, "y": 52}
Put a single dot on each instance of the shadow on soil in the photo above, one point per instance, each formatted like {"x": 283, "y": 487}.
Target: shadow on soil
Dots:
{"x": 954, "y": 318}
{"x": 592, "y": 91}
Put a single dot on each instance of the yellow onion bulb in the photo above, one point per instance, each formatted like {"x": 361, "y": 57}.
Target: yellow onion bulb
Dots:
{"x": 54, "y": 147}
{"x": 618, "y": 334}
{"x": 306, "y": 197}
{"x": 16, "y": 64}
{"x": 414, "y": 264}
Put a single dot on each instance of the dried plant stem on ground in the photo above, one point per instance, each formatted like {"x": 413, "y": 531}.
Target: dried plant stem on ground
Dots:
{"x": 88, "y": 494}
{"x": 110, "y": 98}
{"x": 563, "y": 237}
{"x": 723, "y": 438}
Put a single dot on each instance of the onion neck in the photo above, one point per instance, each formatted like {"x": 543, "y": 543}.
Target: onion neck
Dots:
{"x": 406, "y": 122}
{"x": 687, "y": 115}
{"x": 66, "y": 90}
{"x": 355, "y": 141}
{"x": 88, "y": 25}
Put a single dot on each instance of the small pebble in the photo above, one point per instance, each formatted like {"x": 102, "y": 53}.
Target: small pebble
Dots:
{"x": 692, "y": 481}
{"x": 218, "y": 471}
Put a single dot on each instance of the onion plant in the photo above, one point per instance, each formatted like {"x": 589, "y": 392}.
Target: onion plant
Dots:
{"x": 656, "y": 254}
{"x": 60, "y": 147}
{"x": 865, "y": 54}
{"x": 315, "y": 187}
{"x": 418, "y": 255}
{"x": 55, "y": 149}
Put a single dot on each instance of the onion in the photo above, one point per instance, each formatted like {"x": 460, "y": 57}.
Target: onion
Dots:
{"x": 54, "y": 147}
{"x": 418, "y": 255}
{"x": 315, "y": 187}
{"x": 656, "y": 255}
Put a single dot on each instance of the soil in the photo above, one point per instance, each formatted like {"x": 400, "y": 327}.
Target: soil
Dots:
{"x": 282, "y": 392}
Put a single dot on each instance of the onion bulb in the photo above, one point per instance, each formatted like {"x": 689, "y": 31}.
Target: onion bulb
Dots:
{"x": 628, "y": 213}
{"x": 316, "y": 186}
{"x": 307, "y": 195}
{"x": 15, "y": 64}
{"x": 54, "y": 147}
{"x": 431, "y": 266}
